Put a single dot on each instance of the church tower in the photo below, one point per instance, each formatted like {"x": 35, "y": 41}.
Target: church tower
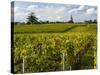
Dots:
{"x": 71, "y": 20}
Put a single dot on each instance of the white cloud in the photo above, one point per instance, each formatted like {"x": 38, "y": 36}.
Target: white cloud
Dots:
{"x": 20, "y": 14}
{"x": 79, "y": 9}
{"x": 48, "y": 12}
{"x": 58, "y": 18}
{"x": 38, "y": 16}
{"x": 32, "y": 7}
{"x": 61, "y": 9}
{"x": 19, "y": 9}
{"x": 50, "y": 18}
{"x": 20, "y": 17}
{"x": 54, "y": 12}
{"x": 72, "y": 11}
{"x": 91, "y": 11}
{"x": 16, "y": 9}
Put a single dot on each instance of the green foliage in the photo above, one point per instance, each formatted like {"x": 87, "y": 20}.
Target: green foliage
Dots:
{"x": 43, "y": 51}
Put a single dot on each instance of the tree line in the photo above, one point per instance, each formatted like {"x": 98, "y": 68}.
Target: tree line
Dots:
{"x": 32, "y": 19}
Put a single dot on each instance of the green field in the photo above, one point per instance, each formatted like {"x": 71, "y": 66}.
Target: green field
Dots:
{"x": 51, "y": 28}
{"x": 55, "y": 47}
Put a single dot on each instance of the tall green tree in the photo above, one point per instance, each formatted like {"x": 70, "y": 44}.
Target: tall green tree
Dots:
{"x": 32, "y": 18}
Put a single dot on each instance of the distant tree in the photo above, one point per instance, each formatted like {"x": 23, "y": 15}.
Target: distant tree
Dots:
{"x": 16, "y": 23}
{"x": 90, "y": 21}
{"x": 47, "y": 21}
{"x": 32, "y": 18}
{"x": 58, "y": 22}
{"x": 95, "y": 21}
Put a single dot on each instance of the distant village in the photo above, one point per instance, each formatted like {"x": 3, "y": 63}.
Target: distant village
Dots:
{"x": 86, "y": 21}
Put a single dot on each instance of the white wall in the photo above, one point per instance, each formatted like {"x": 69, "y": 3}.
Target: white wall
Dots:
{"x": 5, "y": 36}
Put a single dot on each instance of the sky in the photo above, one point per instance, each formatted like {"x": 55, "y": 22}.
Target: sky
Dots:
{"x": 53, "y": 12}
